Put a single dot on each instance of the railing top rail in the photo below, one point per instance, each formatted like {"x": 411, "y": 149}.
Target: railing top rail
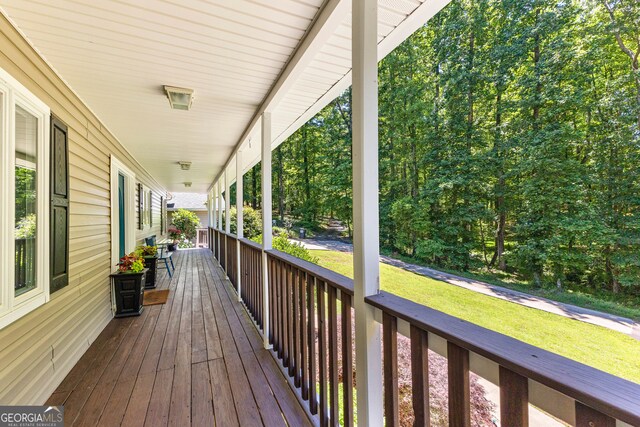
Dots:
{"x": 343, "y": 283}
{"x": 250, "y": 243}
{"x": 227, "y": 234}
{"x": 604, "y": 392}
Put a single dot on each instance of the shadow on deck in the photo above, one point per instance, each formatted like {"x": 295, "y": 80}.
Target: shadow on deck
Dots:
{"x": 196, "y": 360}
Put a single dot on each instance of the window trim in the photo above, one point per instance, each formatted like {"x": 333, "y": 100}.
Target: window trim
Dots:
{"x": 11, "y": 307}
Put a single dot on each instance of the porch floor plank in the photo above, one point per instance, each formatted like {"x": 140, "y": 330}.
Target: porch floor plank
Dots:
{"x": 196, "y": 360}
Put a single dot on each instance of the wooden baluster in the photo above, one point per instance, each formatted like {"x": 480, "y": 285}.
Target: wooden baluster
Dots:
{"x": 272, "y": 302}
{"x": 285, "y": 314}
{"x": 333, "y": 354}
{"x": 280, "y": 313}
{"x": 254, "y": 284}
{"x": 289, "y": 307}
{"x": 311, "y": 340}
{"x": 304, "y": 350}
{"x": 390, "y": 369}
{"x": 322, "y": 350}
{"x": 296, "y": 328}
{"x": 514, "y": 399}
{"x": 258, "y": 269}
{"x": 420, "y": 375}
{"x": 347, "y": 360}
{"x": 589, "y": 417}
{"x": 459, "y": 396}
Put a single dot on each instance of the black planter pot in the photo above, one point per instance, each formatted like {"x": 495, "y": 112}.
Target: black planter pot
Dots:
{"x": 171, "y": 247}
{"x": 150, "y": 263}
{"x": 129, "y": 292}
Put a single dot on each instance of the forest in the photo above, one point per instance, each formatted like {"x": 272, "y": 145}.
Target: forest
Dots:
{"x": 509, "y": 141}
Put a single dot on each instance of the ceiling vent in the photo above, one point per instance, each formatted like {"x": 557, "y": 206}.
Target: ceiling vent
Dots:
{"x": 185, "y": 166}
{"x": 180, "y": 98}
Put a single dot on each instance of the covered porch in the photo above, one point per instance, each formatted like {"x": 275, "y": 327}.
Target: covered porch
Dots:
{"x": 249, "y": 335}
{"x": 196, "y": 360}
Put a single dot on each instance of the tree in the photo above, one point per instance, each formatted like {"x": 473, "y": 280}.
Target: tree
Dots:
{"x": 185, "y": 221}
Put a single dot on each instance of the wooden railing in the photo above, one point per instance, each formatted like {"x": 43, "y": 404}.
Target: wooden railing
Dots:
{"x": 212, "y": 242}
{"x": 223, "y": 250}
{"x": 231, "y": 251}
{"x": 304, "y": 300}
{"x": 252, "y": 290}
{"x": 310, "y": 329}
{"x": 217, "y": 243}
{"x": 575, "y": 393}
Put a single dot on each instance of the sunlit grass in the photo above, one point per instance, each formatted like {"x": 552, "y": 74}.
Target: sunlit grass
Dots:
{"x": 610, "y": 351}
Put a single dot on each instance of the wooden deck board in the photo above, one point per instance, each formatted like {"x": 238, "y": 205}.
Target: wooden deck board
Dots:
{"x": 196, "y": 360}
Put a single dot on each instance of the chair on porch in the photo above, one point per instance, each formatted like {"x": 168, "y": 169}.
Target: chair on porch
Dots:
{"x": 163, "y": 254}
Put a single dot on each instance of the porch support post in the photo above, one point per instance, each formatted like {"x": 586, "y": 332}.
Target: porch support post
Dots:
{"x": 214, "y": 208}
{"x": 366, "y": 251}
{"x": 239, "y": 218}
{"x": 265, "y": 165}
{"x": 227, "y": 202}
{"x": 220, "y": 204}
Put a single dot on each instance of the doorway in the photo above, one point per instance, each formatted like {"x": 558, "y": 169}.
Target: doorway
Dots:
{"x": 122, "y": 211}
{"x": 121, "y": 216}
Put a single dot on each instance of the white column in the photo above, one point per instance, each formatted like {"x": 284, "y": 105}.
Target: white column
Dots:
{"x": 214, "y": 208}
{"x": 227, "y": 203}
{"x": 220, "y": 200}
{"x": 239, "y": 219}
{"x": 265, "y": 163}
{"x": 366, "y": 252}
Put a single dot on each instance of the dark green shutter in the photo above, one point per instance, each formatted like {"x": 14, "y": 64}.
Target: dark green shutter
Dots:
{"x": 161, "y": 214}
{"x": 150, "y": 208}
{"x": 59, "y": 220}
{"x": 140, "y": 208}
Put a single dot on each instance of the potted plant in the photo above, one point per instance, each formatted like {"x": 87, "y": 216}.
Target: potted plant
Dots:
{"x": 150, "y": 256}
{"x": 175, "y": 234}
{"x": 128, "y": 285}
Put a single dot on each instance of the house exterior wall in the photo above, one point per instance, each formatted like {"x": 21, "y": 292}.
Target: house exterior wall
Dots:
{"x": 38, "y": 350}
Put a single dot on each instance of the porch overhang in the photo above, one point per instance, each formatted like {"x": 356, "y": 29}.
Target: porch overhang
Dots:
{"x": 241, "y": 58}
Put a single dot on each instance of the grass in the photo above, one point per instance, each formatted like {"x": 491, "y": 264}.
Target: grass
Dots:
{"x": 601, "y": 348}
{"x": 604, "y": 303}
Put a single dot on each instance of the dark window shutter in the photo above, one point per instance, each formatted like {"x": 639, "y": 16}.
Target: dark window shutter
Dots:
{"x": 59, "y": 221}
{"x": 150, "y": 208}
{"x": 140, "y": 208}
{"x": 161, "y": 214}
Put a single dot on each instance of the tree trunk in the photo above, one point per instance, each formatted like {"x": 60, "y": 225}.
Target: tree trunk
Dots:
{"x": 305, "y": 173}
{"x": 499, "y": 188}
{"x": 536, "y": 71}
{"x": 633, "y": 56}
{"x": 280, "y": 185}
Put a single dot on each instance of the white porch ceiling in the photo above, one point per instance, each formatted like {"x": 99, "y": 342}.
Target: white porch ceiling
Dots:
{"x": 240, "y": 56}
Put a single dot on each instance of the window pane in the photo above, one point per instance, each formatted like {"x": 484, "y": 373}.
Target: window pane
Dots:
{"x": 26, "y": 221}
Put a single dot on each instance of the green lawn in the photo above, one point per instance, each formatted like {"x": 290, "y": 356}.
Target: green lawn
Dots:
{"x": 592, "y": 345}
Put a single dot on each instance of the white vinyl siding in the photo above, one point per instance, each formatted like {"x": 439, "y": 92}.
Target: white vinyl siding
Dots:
{"x": 40, "y": 348}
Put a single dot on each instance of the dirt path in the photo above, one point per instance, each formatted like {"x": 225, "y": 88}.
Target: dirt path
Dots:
{"x": 616, "y": 323}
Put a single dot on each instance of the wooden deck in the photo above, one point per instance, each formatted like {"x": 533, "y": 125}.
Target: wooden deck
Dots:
{"x": 197, "y": 360}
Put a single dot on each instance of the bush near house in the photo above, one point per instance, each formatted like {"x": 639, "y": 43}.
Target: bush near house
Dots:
{"x": 187, "y": 222}
{"x": 251, "y": 221}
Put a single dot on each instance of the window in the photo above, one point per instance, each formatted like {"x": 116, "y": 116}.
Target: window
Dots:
{"x": 24, "y": 201}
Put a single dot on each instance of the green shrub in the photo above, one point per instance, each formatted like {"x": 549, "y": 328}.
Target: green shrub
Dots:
{"x": 281, "y": 231}
{"x": 283, "y": 244}
{"x": 187, "y": 222}
{"x": 251, "y": 221}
